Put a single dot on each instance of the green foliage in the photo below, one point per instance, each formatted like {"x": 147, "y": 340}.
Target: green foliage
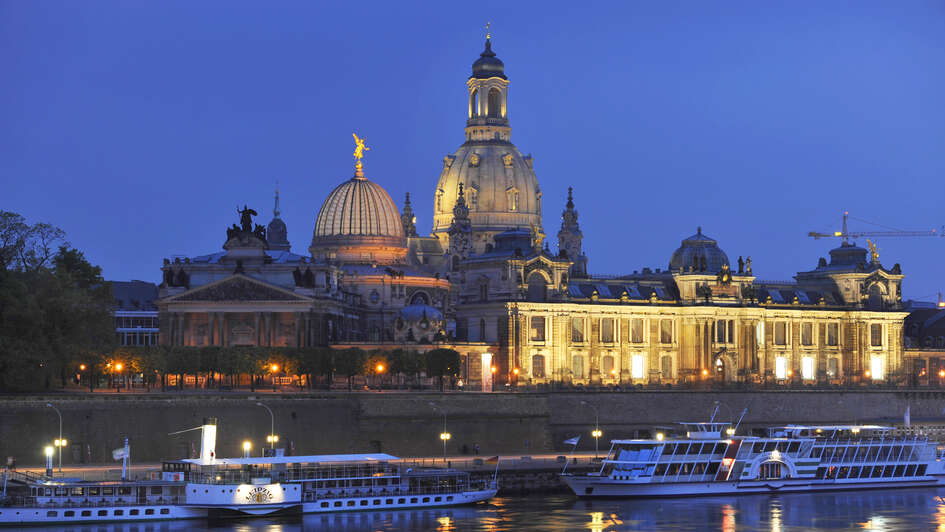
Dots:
{"x": 349, "y": 362}
{"x": 55, "y": 309}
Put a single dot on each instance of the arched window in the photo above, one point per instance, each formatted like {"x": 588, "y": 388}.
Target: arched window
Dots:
{"x": 474, "y": 103}
{"x": 420, "y": 298}
{"x": 482, "y": 330}
{"x": 577, "y": 366}
{"x": 538, "y": 366}
{"x": 512, "y": 198}
{"x": 495, "y": 103}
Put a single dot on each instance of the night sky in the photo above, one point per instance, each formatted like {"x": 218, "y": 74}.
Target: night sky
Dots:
{"x": 138, "y": 127}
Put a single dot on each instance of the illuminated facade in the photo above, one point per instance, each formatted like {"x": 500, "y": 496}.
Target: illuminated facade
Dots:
{"x": 486, "y": 282}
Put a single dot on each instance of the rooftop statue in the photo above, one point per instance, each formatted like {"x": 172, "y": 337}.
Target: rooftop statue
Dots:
{"x": 246, "y": 220}
{"x": 359, "y": 149}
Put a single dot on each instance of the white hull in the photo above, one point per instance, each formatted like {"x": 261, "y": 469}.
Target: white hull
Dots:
{"x": 10, "y": 516}
{"x": 47, "y": 515}
{"x": 393, "y": 502}
{"x": 595, "y": 487}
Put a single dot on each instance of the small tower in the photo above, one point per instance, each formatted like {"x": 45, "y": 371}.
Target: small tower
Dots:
{"x": 277, "y": 232}
{"x": 408, "y": 219}
{"x": 459, "y": 231}
{"x": 487, "y": 117}
{"x": 569, "y": 238}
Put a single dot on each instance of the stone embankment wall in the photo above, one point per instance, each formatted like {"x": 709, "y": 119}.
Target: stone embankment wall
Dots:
{"x": 408, "y": 424}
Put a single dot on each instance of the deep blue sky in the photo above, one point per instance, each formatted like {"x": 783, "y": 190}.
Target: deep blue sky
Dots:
{"x": 139, "y": 126}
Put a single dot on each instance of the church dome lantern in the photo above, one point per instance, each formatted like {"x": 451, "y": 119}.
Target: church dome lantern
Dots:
{"x": 698, "y": 253}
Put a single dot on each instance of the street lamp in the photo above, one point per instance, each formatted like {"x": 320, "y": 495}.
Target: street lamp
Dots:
{"x": 247, "y": 446}
{"x": 596, "y": 433}
{"x": 118, "y": 367}
{"x": 60, "y": 443}
{"x": 493, "y": 377}
{"x": 445, "y": 436}
{"x": 379, "y": 370}
{"x": 271, "y": 439}
{"x": 274, "y": 368}
{"x": 48, "y": 451}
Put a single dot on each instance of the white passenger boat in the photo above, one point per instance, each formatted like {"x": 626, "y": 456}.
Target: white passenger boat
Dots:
{"x": 710, "y": 459}
{"x": 210, "y": 488}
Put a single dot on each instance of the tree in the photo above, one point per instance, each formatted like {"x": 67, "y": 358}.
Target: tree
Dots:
{"x": 376, "y": 364}
{"x": 443, "y": 362}
{"x": 349, "y": 362}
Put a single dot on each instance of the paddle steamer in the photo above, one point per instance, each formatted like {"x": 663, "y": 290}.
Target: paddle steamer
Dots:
{"x": 208, "y": 487}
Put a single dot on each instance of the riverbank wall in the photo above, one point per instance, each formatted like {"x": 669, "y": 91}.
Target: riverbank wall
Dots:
{"x": 409, "y": 424}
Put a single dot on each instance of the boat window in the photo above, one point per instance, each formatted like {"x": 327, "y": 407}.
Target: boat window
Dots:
{"x": 449, "y": 498}
{"x": 86, "y": 513}
{"x": 921, "y": 471}
{"x": 108, "y": 491}
{"x": 816, "y": 452}
{"x": 350, "y": 503}
{"x": 910, "y": 470}
{"x": 682, "y": 448}
{"x": 52, "y": 513}
{"x": 165, "y": 511}
{"x": 660, "y": 469}
{"x": 437, "y": 499}
{"x": 861, "y": 454}
{"x": 149, "y": 511}
{"x": 413, "y": 500}
{"x": 76, "y": 491}
{"x": 324, "y": 505}
{"x": 401, "y": 501}
{"x": 155, "y": 490}
{"x": 103, "y": 512}
{"x": 713, "y": 468}
{"x": 844, "y": 471}
{"x": 337, "y": 504}
{"x": 69, "y": 513}
{"x": 119, "y": 512}
{"x": 700, "y": 469}
{"x": 782, "y": 446}
{"x": 854, "y": 472}
{"x": 900, "y": 471}
{"x": 426, "y": 499}
{"x": 695, "y": 448}
{"x": 769, "y": 446}
{"x": 673, "y": 469}
{"x": 669, "y": 449}
{"x": 389, "y": 501}
{"x": 794, "y": 446}
{"x": 877, "y": 472}
{"x": 93, "y": 491}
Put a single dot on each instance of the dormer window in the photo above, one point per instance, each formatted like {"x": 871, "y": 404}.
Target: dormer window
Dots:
{"x": 512, "y": 194}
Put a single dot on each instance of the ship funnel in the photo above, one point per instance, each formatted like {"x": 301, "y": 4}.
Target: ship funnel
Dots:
{"x": 208, "y": 440}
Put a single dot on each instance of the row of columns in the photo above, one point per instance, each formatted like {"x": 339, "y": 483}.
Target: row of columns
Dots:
{"x": 309, "y": 329}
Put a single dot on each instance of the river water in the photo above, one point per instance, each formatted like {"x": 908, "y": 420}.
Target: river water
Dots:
{"x": 902, "y": 509}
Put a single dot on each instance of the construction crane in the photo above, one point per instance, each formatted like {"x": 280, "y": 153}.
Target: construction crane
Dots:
{"x": 846, "y": 235}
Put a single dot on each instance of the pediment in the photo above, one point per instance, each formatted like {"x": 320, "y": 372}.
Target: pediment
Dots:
{"x": 237, "y": 288}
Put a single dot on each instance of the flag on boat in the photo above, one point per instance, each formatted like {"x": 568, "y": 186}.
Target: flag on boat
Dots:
{"x": 907, "y": 418}
{"x": 573, "y": 441}
{"x": 119, "y": 453}
{"x": 493, "y": 460}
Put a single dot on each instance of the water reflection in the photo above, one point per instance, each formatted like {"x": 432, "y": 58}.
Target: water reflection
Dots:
{"x": 894, "y": 510}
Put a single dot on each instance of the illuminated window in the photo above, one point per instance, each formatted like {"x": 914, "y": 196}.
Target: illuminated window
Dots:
{"x": 877, "y": 368}
{"x": 636, "y": 366}
{"x": 538, "y": 328}
{"x": 666, "y": 331}
{"x": 833, "y": 334}
{"x": 807, "y": 368}
{"x": 833, "y": 368}
{"x": 577, "y": 366}
{"x": 780, "y": 368}
{"x": 512, "y": 197}
{"x": 607, "y": 365}
{"x": 807, "y": 334}
{"x": 876, "y": 334}
{"x": 577, "y": 330}
{"x": 780, "y": 333}
{"x": 538, "y": 366}
{"x": 636, "y": 330}
{"x": 607, "y": 330}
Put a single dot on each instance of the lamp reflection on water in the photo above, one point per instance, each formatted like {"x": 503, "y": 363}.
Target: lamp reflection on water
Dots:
{"x": 444, "y": 524}
{"x": 728, "y": 518}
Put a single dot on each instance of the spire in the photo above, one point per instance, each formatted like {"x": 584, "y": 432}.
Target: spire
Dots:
{"x": 460, "y": 210}
{"x": 570, "y": 238}
{"x": 275, "y": 210}
{"x": 408, "y": 219}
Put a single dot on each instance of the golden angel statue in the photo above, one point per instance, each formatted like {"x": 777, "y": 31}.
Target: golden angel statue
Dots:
{"x": 359, "y": 148}
{"x": 874, "y": 251}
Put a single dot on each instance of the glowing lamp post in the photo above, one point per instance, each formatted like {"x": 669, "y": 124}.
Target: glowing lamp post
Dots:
{"x": 379, "y": 370}
{"x": 493, "y": 377}
{"x": 274, "y": 368}
{"x": 271, "y": 439}
{"x": 445, "y": 436}
{"x": 48, "y": 451}
{"x": 659, "y": 436}
{"x": 60, "y": 442}
{"x": 247, "y": 447}
{"x": 596, "y": 433}
{"x": 118, "y": 367}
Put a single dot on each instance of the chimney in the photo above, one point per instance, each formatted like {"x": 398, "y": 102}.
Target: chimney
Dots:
{"x": 208, "y": 441}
